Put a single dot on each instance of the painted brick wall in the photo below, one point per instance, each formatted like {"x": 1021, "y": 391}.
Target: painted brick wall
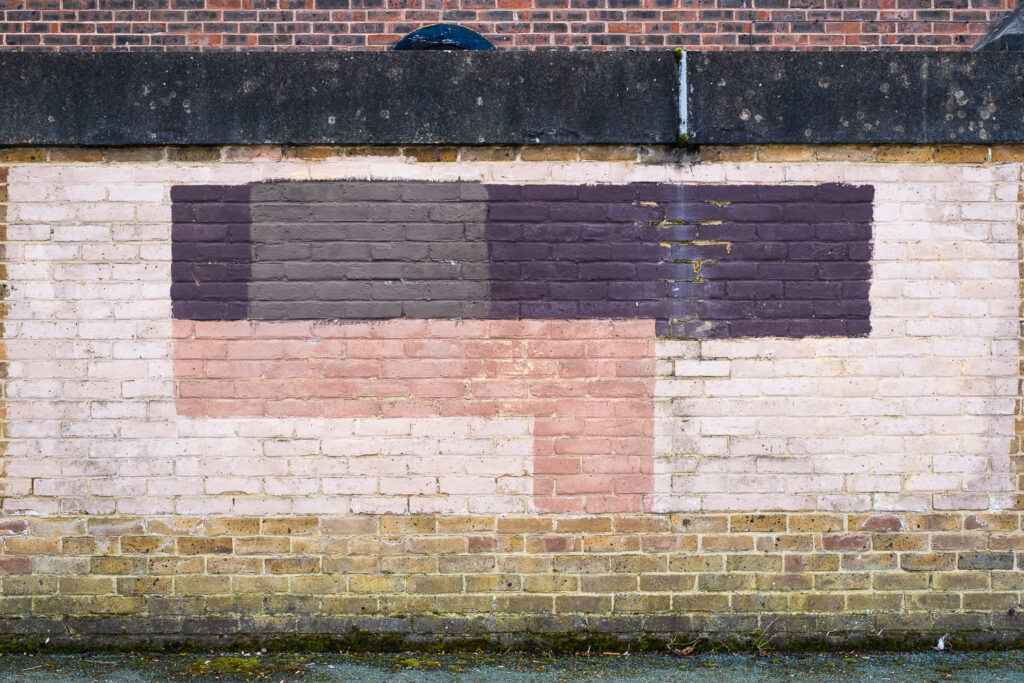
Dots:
{"x": 509, "y": 24}
{"x": 115, "y": 406}
{"x": 324, "y": 253}
{"x": 203, "y": 426}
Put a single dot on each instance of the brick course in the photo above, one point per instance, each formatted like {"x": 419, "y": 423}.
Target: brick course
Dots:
{"x": 509, "y": 24}
{"x": 512, "y": 579}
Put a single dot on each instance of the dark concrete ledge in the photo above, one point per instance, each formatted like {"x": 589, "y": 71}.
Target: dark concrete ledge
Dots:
{"x": 865, "y": 97}
{"x": 509, "y": 98}
{"x": 338, "y": 98}
{"x": 882, "y": 631}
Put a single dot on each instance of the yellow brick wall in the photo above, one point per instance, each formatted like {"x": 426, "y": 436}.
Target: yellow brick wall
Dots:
{"x": 714, "y": 578}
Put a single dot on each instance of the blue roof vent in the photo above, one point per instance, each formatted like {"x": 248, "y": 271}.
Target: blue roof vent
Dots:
{"x": 443, "y": 37}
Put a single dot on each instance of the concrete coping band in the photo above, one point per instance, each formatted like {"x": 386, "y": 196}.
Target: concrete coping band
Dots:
{"x": 510, "y": 98}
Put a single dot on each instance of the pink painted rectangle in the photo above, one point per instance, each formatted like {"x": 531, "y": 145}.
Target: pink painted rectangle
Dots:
{"x": 588, "y": 385}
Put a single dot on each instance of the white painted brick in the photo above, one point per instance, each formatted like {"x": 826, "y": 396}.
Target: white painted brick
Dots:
{"x": 118, "y": 487}
{"x": 447, "y": 505}
{"x": 231, "y": 485}
{"x": 901, "y": 503}
{"x": 81, "y": 233}
{"x": 40, "y": 213}
{"x": 665, "y": 388}
{"x": 175, "y": 486}
{"x": 145, "y": 506}
{"x": 721, "y": 426}
{"x": 465, "y": 485}
{"x": 757, "y": 446}
{"x": 407, "y": 486}
{"x": 100, "y": 212}
{"x": 843, "y": 464}
{"x": 205, "y": 505}
{"x": 844, "y": 503}
{"x": 989, "y": 211}
{"x": 115, "y": 410}
{"x": 134, "y": 272}
{"x": 757, "y": 501}
{"x": 291, "y": 486}
{"x": 688, "y": 368}
{"x": 963, "y": 501}
{"x": 139, "y": 192}
{"x": 314, "y": 505}
{"x": 670, "y": 503}
{"x": 94, "y": 428}
{"x": 146, "y": 388}
{"x": 161, "y": 215}
{"x": 719, "y": 388}
{"x": 348, "y": 486}
{"x": 290, "y": 447}
{"x": 141, "y": 309}
{"x": 262, "y": 505}
{"x": 762, "y": 173}
{"x": 676, "y": 349}
{"x": 29, "y": 505}
{"x": 390, "y": 427}
{"x": 732, "y": 463}
{"x": 995, "y": 483}
{"x": 780, "y": 465}
{"x": 51, "y": 252}
{"x": 380, "y": 505}
{"x": 934, "y": 482}
{"x": 155, "y": 252}
{"x": 87, "y": 506}
{"x": 379, "y": 466}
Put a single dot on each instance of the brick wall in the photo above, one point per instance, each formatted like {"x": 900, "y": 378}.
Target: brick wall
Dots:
{"x": 198, "y": 432}
{"x": 509, "y": 24}
{"x": 368, "y": 581}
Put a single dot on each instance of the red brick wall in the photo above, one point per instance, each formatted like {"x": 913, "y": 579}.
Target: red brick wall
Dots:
{"x": 510, "y": 24}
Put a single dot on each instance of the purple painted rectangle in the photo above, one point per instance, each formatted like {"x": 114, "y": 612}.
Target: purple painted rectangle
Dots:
{"x": 211, "y": 252}
{"x": 795, "y": 260}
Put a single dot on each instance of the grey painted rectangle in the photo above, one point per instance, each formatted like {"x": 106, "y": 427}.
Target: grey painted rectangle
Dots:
{"x": 352, "y": 250}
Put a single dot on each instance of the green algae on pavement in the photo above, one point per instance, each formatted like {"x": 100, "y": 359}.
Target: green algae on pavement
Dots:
{"x": 513, "y": 667}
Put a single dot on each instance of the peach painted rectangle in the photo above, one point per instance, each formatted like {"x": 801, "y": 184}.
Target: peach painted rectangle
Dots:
{"x": 588, "y": 385}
